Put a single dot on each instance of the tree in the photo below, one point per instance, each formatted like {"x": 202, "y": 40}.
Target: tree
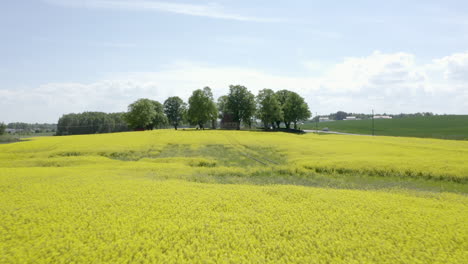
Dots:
{"x": 160, "y": 119}
{"x": 282, "y": 96}
{"x": 222, "y": 106}
{"x": 340, "y": 115}
{"x": 295, "y": 109}
{"x": 141, "y": 114}
{"x": 269, "y": 108}
{"x": 241, "y": 104}
{"x": 174, "y": 108}
{"x": 201, "y": 107}
{"x": 2, "y": 128}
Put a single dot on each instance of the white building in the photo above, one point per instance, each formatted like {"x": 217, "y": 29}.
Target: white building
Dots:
{"x": 382, "y": 117}
{"x": 324, "y": 119}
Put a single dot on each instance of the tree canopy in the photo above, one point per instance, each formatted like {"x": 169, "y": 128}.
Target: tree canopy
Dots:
{"x": 202, "y": 108}
{"x": 240, "y": 104}
{"x": 295, "y": 109}
{"x": 91, "y": 123}
{"x": 222, "y": 106}
{"x": 269, "y": 107}
{"x": 175, "y": 109}
{"x": 144, "y": 114}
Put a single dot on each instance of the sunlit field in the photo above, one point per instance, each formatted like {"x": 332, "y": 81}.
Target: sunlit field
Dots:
{"x": 442, "y": 126}
{"x": 233, "y": 196}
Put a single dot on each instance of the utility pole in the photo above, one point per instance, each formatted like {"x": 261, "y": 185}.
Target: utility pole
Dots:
{"x": 373, "y": 133}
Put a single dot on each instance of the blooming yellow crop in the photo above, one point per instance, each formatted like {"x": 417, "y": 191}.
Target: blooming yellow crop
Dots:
{"x": 159, "y": 197}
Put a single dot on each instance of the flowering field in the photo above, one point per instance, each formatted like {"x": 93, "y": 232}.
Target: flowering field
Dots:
{"x": 226, "y": 196}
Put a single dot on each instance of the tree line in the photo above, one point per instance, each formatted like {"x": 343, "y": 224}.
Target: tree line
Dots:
{"x": 91, "y": 123}
{"x": 341, "y": 115}
{"x": 27, "y": 128}
{"x": 239, "y": 107}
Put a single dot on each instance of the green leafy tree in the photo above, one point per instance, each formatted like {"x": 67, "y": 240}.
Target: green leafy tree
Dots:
{"x": 240, "y": 104}
{"x": 160, "y": 119}
{"x": 295, "y": 109}
{"x": 222, "y": 106}
{"x": 91, "y": 123}
{"x": 269, "y": 108}
{"x": 282, "y": 96}
{"x": 2, "y": 128}
{"x": 202, "y": 108}
{"x": 340, "y": 115}
{"x": 141, "y": 114}
{"x": 175, "y": 108}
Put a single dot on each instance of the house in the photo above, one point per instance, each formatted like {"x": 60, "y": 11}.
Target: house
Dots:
{"x": 382, "y": 117}
{"x": 350, "y": 118}
{"x": 324, "y": 119}
{"x": 227, "y": 122}
{"x": 13, "y": 130}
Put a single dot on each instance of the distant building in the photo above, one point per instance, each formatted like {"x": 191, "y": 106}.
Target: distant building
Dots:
{"x": 382, "y": 117}
{"x": 13, "y": 130}
{"x": 350, "y": 118}
{"x": 324, "y": 119}
{"x": 227, "y": 122}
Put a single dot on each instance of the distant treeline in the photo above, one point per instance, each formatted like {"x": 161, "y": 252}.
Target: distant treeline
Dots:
{"x": 341, "y": 115}
{"x": 239, "y": 107}
{"x": 26, "y": 128}
{"x": 35, "y": 126}
{"x": 91, "y": 123}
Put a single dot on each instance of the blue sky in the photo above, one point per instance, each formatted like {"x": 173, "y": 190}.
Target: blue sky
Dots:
{"x": 62, "y": 56}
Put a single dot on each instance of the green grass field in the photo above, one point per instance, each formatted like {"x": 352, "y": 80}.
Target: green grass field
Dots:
{"x": 233, "y": 197}
{"x": 6, "y": 138}
{"x": 443, "y": 127}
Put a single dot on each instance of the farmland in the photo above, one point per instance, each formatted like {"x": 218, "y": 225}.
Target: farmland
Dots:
{"x": 233, "y": 196}
{"x": 443, "y": 127}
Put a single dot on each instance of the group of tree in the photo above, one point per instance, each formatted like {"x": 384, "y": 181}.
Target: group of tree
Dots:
{"x": 281, "y": 107}
{"x": 145, "y": 114}
{"x": 240, "y": 105}
{"x": 91, "y": 123}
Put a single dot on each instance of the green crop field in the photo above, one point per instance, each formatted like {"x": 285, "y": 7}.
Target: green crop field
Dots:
{"x": 444, "y": 127}
{"x": 233, "y": 197}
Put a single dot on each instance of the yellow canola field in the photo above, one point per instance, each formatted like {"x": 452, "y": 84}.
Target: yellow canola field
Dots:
{"x": 407, "y": 157}
{"x": 131, "y": 198}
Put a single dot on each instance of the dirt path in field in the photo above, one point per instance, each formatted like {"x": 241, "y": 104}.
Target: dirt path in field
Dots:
{"x": 334, "y": 132}
{"x": 241, "y": 149}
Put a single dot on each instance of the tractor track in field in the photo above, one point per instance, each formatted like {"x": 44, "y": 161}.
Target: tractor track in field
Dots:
{"x": 241, "y": 149}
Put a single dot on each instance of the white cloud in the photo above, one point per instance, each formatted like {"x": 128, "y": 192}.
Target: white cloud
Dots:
{"x": 211, "y": 10}
{"x": 391, "y": 83}
{"x": 455, "y": 66}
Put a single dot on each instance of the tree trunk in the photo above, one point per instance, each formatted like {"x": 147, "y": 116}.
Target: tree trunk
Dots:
{"x": 238, "y": 125}
{"x": 287, "y": 124}
{"x": 175, "y": 126}
{"x": 278, "y": 123}
{"x": 295, "y": 125}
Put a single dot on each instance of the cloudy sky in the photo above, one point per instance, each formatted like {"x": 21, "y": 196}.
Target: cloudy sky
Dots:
{"x": 62, "y": 56}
